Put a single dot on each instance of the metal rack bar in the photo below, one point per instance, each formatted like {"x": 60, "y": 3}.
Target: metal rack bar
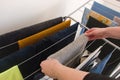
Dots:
{"x": 112, "y": 44}
{"x": 79, "y": 7}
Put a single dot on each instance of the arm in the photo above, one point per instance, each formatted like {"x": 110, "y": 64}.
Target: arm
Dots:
{"x": 66, "y": 73}
{"x": 113, "y": 32}
{"x": 58, "y": 71}
{"x": 99, "y": 33}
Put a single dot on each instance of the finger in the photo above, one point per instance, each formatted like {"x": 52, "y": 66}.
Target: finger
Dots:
{"x": 89, "y": 32}
{"x": 42, "y": 71}
{"x": 42, "y": 63}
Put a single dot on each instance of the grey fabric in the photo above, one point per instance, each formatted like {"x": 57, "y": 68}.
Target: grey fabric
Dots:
{"x": 71, "y": 50}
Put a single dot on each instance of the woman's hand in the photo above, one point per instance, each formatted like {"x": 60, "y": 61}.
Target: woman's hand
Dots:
{"x": 50, "y": 67}
{"x": 96, "y": 33}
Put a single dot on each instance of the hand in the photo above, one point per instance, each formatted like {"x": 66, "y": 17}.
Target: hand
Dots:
{"x": 50, "y": 67}
{"x": 96, "y": 33}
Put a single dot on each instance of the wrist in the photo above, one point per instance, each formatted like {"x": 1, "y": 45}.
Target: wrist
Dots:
{"x": 57, "y": 70}
{"x": 107, "y": 32}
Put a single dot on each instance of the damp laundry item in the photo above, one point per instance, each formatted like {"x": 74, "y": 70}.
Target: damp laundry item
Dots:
{"x": 89, "y": 59}
{"x": 47, "y": 47}
{"x": 29, "y": 51}
{"x": 68, "y": 52}
{"x": 104, "y": 10}
{"x": 101, "y": 65}
{"x": 16, "y": 35}
{"x": 11, "y": 74}
{"x": 36, "y": 37}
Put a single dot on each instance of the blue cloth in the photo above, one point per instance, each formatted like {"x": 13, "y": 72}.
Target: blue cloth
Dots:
{"x": 15, "y": 58}
{"x": 33, "y": 64}
{"x": 100, "y": 66}
{"x": 112, "y": 63}
{"x": 85, "y": 18}
{"x": 108, "y": 12}
{"x": 7, "y": 50}
{"x": 106, "y": 49}
{"x": 16, "y": 35}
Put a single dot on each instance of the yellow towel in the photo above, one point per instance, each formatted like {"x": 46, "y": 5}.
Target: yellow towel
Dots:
{"x": 11, "y": 74}
{"x": 36, "y": 37}
{"x": 100, "y": 17}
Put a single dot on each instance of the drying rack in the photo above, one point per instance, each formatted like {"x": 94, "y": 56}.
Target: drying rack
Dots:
{"x": 74, "y": 20}
{"x": 105, "y": 40}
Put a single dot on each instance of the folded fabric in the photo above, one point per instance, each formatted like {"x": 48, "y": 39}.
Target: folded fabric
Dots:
{"x": 36, "y": 37}
{"x": 71, "y": 50}
{"x": 16, "y": 35}
{"x": 105, "y": 11}
{"x": 11, "y": 74}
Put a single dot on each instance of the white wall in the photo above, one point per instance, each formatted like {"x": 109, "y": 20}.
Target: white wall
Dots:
{"x": 15, "y": 14}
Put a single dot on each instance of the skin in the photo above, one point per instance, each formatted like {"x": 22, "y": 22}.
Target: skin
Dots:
{"x": 61, "y": 72}
{"x": 56, "y": 70}
{"x": 99, "y": 33}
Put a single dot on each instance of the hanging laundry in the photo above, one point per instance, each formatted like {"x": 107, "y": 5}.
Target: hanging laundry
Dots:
{"x": 8, "y": 41}
{"x": 89, "y": 59}
{"x": 68, "y": 52}
{"x": 101, "y": 65}
{"x": 27, "y": 52}
{"x": 104, "y": 10}
{"x": 16, "y": 35}
{"x": 44, "y": 48}
{"x": 36, "y": 37}
{"x": 11, "y": 74}
{"x": 97, "y": 16}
